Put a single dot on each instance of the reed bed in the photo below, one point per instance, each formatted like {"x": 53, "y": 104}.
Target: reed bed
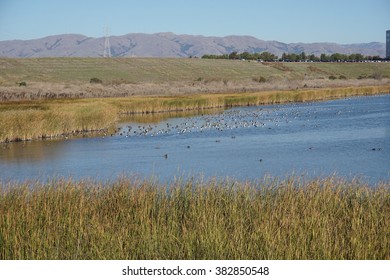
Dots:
{"x": 290, "y": 218}
{"x": 34, "y": 121}
{"x": 137, "y": 105}
{"x": 52, "y": 118}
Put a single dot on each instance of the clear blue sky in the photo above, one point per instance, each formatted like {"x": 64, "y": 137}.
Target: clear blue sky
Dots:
{"x": 340, "y": 21}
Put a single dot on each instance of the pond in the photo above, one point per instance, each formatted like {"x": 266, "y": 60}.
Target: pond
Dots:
{"x": 347, "y": 137}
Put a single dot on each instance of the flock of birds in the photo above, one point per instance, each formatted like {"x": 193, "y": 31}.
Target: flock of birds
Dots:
{"x": 226, "y": 120}
{"x": 241, "y": 118}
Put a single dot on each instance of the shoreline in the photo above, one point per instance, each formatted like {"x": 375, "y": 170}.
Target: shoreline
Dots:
{"x": 55, "y": 118}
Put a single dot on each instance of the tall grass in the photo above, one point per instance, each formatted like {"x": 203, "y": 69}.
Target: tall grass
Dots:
{"x": 133, "y": 219}
{"x": 20, "y": 122}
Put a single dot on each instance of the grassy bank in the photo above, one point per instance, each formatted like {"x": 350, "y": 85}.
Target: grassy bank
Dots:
{"x": 51, "y": 78}
{"x": 37, "y": 119}
{"x": 115, "y": 71}
{"x": 129, "y": 219}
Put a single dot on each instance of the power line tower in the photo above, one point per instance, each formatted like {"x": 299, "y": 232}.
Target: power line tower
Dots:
{"x": 107, "y": 46}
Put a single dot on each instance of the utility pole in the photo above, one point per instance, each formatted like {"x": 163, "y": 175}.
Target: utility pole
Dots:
{"x": 107, "y": 46}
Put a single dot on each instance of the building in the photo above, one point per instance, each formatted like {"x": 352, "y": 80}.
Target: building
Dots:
{"x": 388, "y": 44}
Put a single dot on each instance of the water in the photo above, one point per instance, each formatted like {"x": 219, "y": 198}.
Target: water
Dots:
{"x": 349, "y": 137}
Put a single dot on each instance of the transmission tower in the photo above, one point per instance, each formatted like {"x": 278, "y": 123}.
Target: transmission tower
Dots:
{"x": 107, "y": 46}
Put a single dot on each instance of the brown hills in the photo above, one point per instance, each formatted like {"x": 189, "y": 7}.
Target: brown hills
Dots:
{"x": 170, "y": 45}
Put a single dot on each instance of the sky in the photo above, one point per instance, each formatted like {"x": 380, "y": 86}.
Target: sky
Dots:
{"x": 306, "y": 21}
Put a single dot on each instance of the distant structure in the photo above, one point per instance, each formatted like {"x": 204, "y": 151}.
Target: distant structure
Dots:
{"x": 388, "y": 44}
{"x": 107, "y": 46}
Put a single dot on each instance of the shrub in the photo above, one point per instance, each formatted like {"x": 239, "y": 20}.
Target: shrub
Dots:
{"x": 259, "y": 79}
{"x": 95, "y": 81}
{"x": 377, "y": 75}
{"x": 332, "y": 77}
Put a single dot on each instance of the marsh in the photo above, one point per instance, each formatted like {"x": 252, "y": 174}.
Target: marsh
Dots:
{"x": 349, "y": 137}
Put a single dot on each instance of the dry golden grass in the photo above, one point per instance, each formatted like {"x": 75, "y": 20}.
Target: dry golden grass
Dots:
{"x": 27, "y": 121}
{"x": 47, "y": 91}
{"x": 130, "y": 219}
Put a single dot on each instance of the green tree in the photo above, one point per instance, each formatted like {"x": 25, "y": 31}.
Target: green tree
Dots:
{"x": 294, "y": 57}
{"x": 245, "y": 55}
{"x": 267, "y": 56}
{"x": 312, "y": 57}
{"x": 233, "y": 55}
{"x": 324, "y": 58}
{"x": 335, "y": 57}
{"x": 356, "y": 57}
{"x": 303, "y": 56}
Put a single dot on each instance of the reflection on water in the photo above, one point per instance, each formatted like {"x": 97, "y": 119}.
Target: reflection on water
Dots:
{"x": 32, "y": 151}
{"x": 350, "y": 137}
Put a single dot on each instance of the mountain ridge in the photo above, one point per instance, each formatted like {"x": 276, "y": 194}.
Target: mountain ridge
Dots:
{"x": 168, "y": 44}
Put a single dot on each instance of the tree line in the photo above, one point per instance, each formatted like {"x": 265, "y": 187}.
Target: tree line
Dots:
{"x": 293, "y": 57}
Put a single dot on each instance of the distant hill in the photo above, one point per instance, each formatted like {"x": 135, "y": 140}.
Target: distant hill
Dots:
{"x": 170, "y": 45}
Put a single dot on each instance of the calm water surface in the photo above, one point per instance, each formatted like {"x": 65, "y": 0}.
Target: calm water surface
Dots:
{"x": 349, "y": 137}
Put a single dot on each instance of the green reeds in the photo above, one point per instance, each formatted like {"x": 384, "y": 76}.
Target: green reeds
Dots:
{"x": 133, "y": 219}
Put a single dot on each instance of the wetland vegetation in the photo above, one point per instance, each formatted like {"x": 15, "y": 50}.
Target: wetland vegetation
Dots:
{"x": 294, "y": 218}
{"x": 130, "y": 218}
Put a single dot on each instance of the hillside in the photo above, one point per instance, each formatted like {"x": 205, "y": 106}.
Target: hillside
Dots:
{"x": 170, "y": 45}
